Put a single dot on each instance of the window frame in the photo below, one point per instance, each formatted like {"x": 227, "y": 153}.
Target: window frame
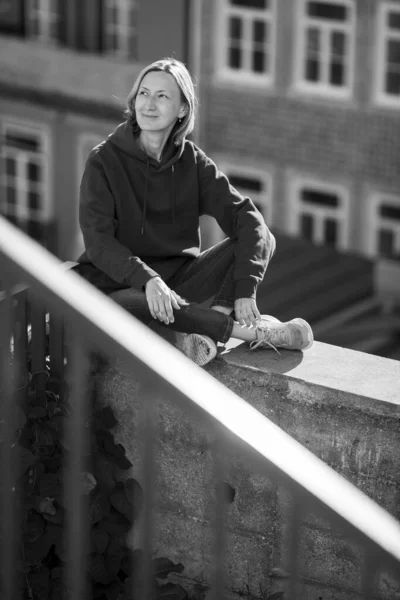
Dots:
{"x": 83, "y": 140}
{"x": 340, "y": 214}
{"x": 323, "y": 88}
{"x": 43, "y": 23}
{"x": 228, "y": 168}
{"x": 371, "y": 240}
{"x": 381, "y": 96}
{"x": 247, "y": 76}
{"x": 23, "y": 214}
{"x": 123, "y": 30}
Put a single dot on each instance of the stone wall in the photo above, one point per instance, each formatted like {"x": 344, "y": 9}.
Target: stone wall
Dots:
{"x": 342, "y": 405}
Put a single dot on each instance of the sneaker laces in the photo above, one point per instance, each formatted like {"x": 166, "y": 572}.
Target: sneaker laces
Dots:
{"x": 270, "y": 336}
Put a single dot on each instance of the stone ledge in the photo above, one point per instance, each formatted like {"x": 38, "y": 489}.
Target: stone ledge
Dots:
{"x": 326, "y": 374}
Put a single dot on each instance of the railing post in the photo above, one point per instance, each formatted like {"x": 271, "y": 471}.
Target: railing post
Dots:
{"x": 369, "y": 576}
{"x": 20, "y": 336}
{"x": 294, "y": 521}
{"x": 56, "y": 347}
{"x": 147, "y": 433}
{"x": 9, "y": 500}
{"x": 77, "y": 437}
{"x": 219, "y": 516}
{"x": 38, "y": 339}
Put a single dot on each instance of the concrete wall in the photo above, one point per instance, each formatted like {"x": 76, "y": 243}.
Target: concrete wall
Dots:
{"x": 342, "y": 405}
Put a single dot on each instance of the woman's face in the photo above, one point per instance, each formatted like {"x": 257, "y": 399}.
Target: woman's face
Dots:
{"x": 158, "y": 102}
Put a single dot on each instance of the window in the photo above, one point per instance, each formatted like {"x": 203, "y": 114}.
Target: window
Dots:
{"x": 248, "y": 42}
{"x": 85, "y": 144}
{"x": 43, "y": 17}
{"x": 326, "y": 46}
{"x": 388, "y": 74}
{"x": 248, "y": 181}
{"x": 25, "y": 180}
{"x": 256, "y": 188}
{"x": 120, "y": 28}
{"x": 385, "y": 224}
{"x": 318, "y": 212}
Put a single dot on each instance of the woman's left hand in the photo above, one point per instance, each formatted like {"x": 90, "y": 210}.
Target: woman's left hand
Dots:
{"x": 246, "y": 311}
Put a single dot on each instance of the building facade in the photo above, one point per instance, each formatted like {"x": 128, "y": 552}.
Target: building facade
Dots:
{"x": 65, "y": 71}
{"x": 300, "y": 105}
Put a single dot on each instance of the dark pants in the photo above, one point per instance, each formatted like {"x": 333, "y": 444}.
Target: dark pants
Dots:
{"x": 210, "y": 275}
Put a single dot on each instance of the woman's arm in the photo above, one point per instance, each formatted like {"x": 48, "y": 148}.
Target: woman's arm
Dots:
{"x": 241, "y": 221}
{"x": 98, "y": 224}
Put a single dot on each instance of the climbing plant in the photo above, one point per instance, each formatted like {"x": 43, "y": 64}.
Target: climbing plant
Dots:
{"x": 39, "y": 453}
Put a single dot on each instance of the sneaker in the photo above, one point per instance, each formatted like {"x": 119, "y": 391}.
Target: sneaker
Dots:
{"x": 292, "y": 335}
{"x": 199, "y": 348}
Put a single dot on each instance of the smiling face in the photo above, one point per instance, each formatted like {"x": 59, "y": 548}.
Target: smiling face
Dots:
{"x": 158, "y": 103}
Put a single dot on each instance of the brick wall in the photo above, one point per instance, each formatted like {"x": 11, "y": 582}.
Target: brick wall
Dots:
{"x": 351, "y": 141}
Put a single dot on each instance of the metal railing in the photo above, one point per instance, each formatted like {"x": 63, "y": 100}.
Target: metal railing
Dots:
{"x": 91, "y": 321}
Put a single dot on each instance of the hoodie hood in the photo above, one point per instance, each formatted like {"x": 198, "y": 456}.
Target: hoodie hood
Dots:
{"x": 124, "y": 138}
{"x": 126, "y": 141}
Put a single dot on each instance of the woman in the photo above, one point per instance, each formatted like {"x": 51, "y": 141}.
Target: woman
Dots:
{"x": 142, "y": 193}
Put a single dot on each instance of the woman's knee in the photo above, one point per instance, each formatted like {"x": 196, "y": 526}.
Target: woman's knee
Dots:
{"x": 130, "y": 298}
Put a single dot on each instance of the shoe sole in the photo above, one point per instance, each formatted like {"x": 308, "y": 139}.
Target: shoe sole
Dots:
{"x": 297, "y": 321}
{"x": 199, "y": 348}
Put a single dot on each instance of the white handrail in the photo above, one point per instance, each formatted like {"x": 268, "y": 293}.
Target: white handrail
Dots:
{"x": 42, "y": 269}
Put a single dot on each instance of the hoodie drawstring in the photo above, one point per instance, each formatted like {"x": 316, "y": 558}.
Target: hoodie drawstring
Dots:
{"x": 173, "y": 193}
{"x": 145, "y": 197}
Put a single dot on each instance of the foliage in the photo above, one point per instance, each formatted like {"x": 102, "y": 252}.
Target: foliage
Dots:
{"x": 39, "y": 455}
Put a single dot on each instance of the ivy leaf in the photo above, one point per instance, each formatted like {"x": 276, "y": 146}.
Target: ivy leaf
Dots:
{"x": 45, "y": 435}
{"x": 105, "y": 473}
{"x": 57, "y": 518}
{"x": 39, "y": 380}
{"x": 115, "y": 524}
{"x": 97, "y": 569}
{"x": 88, "y": 483}
{"x": 134, "y": 494}
{"x": 120, "y": 502}
{"x": 34, "y": 527}
{"x": 54, "y": 385}
{"x": 50, "y": 486}
{"x": 127, "y": 561}
{"x": 21, "y": 459}
{"x": 114, "y": 591}
{"x": 113, "y": 563}
{"x": 99, "y": 507}
{"x": 37, "y": 412}
{"x": 58, "y": 422}
{"x": 100, "y": 540}
{"x": 163, "y": 567}
{"x": 107, "y": 418}
{"x": 117, "y": 451}
{"x": 57, "y": 573}
{"x": 172, "y": 591}
{"x": 38, "y": 550}
{"x": 39, "y": 582}
{"x": 46, "y": 506}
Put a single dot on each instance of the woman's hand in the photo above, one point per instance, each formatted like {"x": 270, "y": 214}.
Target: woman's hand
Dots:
{"x": 162, "y": 300}
{"x": 246, "y": 311}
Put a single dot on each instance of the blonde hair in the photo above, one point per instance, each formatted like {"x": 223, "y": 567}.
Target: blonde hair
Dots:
{"x": 186, "y": 86}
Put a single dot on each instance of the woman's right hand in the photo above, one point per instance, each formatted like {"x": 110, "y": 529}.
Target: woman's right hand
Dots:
{"x": 162, "y": 300}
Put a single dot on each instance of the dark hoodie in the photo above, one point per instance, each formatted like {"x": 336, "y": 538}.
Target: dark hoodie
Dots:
{"x": 140, "y": 218}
